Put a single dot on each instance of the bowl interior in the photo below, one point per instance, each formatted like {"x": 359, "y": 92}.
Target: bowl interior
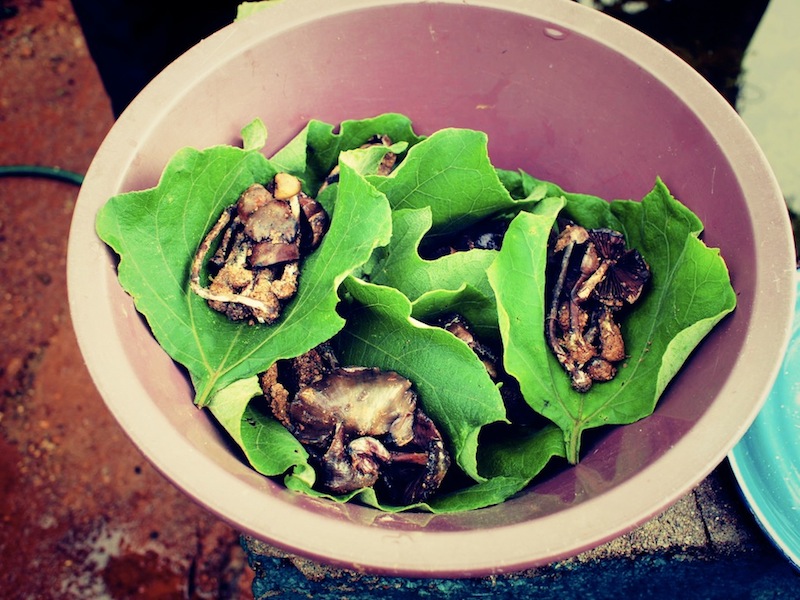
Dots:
{"x": 566, "y": 94}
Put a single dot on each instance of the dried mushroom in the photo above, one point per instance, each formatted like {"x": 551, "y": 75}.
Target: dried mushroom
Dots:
{"x": 517, "y": 409}
{"x": 592, "y": 276}
{"x": 459, "y": 327}
{"x": 361, "y": 426}
{"x": 261, "y": 240}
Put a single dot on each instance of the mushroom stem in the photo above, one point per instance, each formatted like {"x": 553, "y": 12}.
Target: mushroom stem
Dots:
{"x": 584, "y": 288}
{"x": 417, "y": 458}
{"x": 199, "y": 259}
{"x": 205, "y": 246}
{"x": 557, "y": 289}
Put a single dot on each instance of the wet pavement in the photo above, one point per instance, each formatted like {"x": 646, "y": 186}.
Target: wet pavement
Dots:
{"x": 82, "y": 513}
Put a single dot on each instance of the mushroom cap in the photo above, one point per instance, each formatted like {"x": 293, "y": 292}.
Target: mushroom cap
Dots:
{"x": 272, "y": 221}
{"x": 363, "y": 401}
{"x": 624, "y": 281}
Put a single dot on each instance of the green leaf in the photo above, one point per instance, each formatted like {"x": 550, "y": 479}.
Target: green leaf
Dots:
{"x": 522, "y": 185}
{"x": 478, "y": 495}
{"x": 156, "y": 233}
{"x": 268, "y": 446}
{"x": 292, "y": 158}
{"x": 479, "y": 310}
{"x": 508, "y": 461}
{"x": 689, "y": 293}
{"x": 245, "y": 9}
{"x": 453, "y": 282}
{"x": 367, "y": 160}
{"x": 519, "y": 452}
{"x": 254, "y": 135}
{"x": 315, "y": 151}
{"x": 449, "y": 172}
{"x": 452, "y": 384}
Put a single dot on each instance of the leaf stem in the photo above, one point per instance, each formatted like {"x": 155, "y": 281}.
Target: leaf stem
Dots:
{"x": 203, "y": 396}
{"x": 197, "y": 263}
{"x": 574, "y": 446}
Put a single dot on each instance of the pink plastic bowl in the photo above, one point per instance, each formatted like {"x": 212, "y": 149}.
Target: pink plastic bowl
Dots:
{"x": 565, "y": 93}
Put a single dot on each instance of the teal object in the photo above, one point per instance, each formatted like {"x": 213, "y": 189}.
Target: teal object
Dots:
{"x": 766, "y": 462}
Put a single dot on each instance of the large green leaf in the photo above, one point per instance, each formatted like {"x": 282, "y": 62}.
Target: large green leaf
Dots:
{"x": 156, "y": 233}
{"x": 689, "y": 293}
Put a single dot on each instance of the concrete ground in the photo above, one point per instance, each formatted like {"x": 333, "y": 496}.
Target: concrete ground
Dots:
{"x": 82, "y": 514}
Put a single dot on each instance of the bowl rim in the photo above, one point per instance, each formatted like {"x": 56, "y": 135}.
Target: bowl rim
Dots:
{"x": 420, "y": 553}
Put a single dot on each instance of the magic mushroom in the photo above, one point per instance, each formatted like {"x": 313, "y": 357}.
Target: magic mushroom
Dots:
{"x": 261, "y": 240}
{"x": 363, "y": 427}
{"x": 593, "y": 275}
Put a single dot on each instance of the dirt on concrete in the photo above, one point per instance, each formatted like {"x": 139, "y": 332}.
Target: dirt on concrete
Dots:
{"x": 82, "y": 513}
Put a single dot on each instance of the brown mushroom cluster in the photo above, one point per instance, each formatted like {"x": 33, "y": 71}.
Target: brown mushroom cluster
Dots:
{"x": 361, "y": 426}
{"x": 592, "y": 276}
{"x": 262, "y": 239}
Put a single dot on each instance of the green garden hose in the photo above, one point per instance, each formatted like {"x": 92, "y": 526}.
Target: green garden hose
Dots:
{"x": 41, "y": 171}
